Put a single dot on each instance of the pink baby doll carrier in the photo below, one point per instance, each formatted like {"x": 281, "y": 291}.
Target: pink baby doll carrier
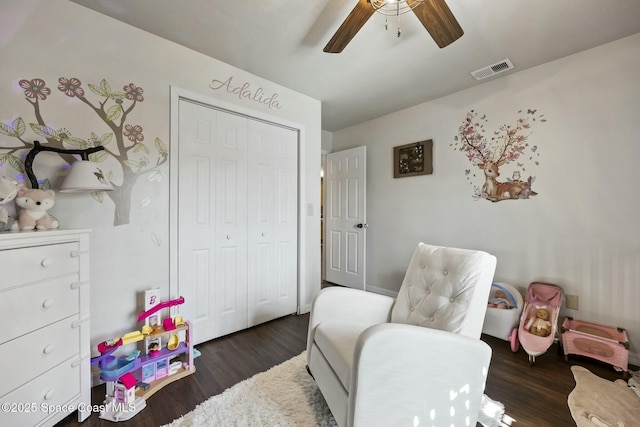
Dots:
{"x": 539, "y": 295}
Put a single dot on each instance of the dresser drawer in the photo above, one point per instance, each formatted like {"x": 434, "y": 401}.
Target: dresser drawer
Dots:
{"x": 32, "y": 307}
{"x": 32, "y": 403}
{"x": 34, "y": 354}
{"x": 31, "y": 264}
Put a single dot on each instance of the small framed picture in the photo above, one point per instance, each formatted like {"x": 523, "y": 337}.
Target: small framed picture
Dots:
{"x": 413, "y": 159}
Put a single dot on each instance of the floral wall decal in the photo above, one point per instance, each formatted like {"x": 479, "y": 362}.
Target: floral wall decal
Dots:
{"x": 125, "y": 142}
{"x": 509, "y": 144}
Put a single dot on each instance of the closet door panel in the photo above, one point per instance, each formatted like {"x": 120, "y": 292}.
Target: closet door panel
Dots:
{"x": 231, "y": 223}
{"x": 196, "y": 213}
{"x": 273, "y": 224}
{"x": 212, "y": 213}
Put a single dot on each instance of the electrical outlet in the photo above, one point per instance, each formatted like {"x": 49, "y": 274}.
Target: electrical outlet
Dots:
{"x": 572, "y": 302}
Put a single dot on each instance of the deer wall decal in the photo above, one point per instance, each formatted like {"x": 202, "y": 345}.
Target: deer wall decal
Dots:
{"x": 504, "y": 146}
{"x": 495, "y": 190}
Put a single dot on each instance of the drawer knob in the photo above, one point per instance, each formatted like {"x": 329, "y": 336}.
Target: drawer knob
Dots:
{"x": 46, "y": 262}
{"x": 48, "y": 349}
{"x": 49, "y": 395}
{"x": 47, "y": 303}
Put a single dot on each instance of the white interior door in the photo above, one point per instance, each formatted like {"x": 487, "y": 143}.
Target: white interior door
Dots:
{"x": 212, "y": 212}
{"x": 345, "y": 216}
{"x": 273, "y": 225}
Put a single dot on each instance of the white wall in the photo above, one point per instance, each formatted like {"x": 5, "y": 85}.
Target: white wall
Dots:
{"x": 57, "y": 38}
{"x": 580, "y": 232}
{"x": 327, "y": 142}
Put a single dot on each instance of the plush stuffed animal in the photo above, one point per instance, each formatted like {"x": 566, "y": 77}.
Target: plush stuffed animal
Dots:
{"x": 539, "y": 324}
{"x": 33, "y": 205}
{"x": 8, "y": 192}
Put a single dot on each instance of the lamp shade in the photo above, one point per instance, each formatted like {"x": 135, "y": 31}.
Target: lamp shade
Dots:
{"x": 85, "y": 176}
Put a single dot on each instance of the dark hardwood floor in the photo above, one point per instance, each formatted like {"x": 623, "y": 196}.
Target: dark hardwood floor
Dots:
{"x": 223, "y": 362}
{"x": 536, "y": 395}
{"x": 533, "y": 395}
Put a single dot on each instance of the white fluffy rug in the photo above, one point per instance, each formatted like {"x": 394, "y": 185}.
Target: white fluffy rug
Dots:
{"x": 285, "y": 395}
{"x": 596, "y": 402}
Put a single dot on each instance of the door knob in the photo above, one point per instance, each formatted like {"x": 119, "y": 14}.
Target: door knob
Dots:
{"x": 362, "y": 225}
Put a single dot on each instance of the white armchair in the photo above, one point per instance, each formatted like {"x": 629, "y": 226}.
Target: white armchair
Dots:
{"x": 412, "y": 361}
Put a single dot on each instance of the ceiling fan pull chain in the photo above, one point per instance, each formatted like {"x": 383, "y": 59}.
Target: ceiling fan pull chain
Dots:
{"x": 399, "y": 31}
{"x": 386, "y": 23}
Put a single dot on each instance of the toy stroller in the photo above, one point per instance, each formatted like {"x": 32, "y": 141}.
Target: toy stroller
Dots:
{"x": 539, "y": 320}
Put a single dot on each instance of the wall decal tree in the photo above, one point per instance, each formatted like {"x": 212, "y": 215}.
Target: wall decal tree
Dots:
{"x": 113, "y": 108}
{"x": 506, "y": 145}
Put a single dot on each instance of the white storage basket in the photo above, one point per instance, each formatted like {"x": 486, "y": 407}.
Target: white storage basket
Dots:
{"x": 499, "y": 322}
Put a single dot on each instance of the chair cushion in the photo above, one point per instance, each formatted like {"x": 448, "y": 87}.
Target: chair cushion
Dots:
{"x": 438, "y": 287}
{"x": 337, "y": 341}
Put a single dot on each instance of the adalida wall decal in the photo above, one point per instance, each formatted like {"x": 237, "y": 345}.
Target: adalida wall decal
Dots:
{"x": 508, "y": 145}
{"x": 113, "y": 108}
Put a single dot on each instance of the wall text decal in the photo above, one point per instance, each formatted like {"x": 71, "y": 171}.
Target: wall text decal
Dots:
{"x": 245, "y": 91}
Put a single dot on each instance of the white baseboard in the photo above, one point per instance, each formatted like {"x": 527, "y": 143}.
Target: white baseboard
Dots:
{"x": 381, "y": 291}
{"x": 305, "y": 309}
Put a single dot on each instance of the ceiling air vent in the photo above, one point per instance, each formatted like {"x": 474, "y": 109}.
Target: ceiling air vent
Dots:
{"x": 492, "y": 70}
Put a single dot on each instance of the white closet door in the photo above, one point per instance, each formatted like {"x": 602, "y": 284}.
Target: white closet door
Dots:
{"x": 273, "y": 223}
{"x": 212, "y": 211}
{"x": 231, "y": 224}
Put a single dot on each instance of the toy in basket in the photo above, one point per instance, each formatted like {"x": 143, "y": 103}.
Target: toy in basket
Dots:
{"x": 604, "y": 343}
{"x": 503, "y": 312}
{"x": 539, "y": 320}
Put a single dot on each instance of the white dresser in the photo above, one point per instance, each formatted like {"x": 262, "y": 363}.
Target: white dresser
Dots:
{"x": 45, "y": 371}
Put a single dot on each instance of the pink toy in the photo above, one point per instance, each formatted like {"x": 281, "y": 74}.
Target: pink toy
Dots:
{"x": 160, "y": 306}
{"x": 604, "y": 343}
{"x": 128, "y": 380}
{"x": 539, "y": 296}
{"x": 145, "y": 372}
{"x": 168, "y": 325}
{"x": 529, "y": 323}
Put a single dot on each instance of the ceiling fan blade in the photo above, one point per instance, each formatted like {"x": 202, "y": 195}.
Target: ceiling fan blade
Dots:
{"x": 439, "y": 21}
{"x": 350, "y": 27}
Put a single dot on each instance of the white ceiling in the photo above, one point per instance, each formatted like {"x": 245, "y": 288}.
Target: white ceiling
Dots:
{"x": 377, "y": 73}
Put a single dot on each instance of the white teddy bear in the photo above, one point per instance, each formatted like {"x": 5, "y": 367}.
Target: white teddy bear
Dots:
{"x": 33, "y": 204}
{"x": 8, "y": 192}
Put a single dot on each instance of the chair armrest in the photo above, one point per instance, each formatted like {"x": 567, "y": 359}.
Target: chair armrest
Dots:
{"x": 346, "y": 305}
{"x": 403, "y": 374}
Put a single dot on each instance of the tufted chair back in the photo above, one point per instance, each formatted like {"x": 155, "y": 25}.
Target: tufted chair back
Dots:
{"x": 447, "y": 289}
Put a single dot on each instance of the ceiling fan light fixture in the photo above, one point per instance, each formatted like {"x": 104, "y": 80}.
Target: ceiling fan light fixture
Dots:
{"x": 434, "y": 15}
{"x": 394, "y": 7}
